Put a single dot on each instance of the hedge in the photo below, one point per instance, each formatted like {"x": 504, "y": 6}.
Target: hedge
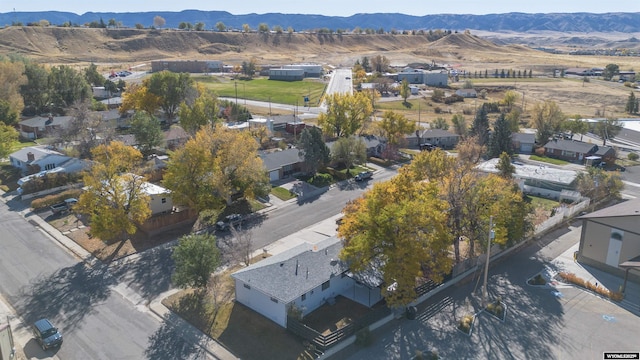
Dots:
{"x": 45, "y": 202}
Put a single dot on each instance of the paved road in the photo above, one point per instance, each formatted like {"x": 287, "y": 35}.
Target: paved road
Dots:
{"x": 100, "y": 317}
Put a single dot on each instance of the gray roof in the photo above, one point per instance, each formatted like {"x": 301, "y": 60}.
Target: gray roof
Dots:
{"x": 571, "y": 145}
{"x": 288, "y": 275}
{"x": 40, "y": 121}
{"x": 526, "y": 171}
{"x": 525, "y": 138}
{"x": 627, "y": 208}
{"x": 437, "y": 133}
{"x": 39, "y": 152}
{"x": 277, "y": 159}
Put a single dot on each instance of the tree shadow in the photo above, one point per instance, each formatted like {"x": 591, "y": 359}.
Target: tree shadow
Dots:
{"x": 66, "y": 296}
{"x": 407, "y": 104}
{"x": 175, "y": 340}
{"x": 149, "y": 274}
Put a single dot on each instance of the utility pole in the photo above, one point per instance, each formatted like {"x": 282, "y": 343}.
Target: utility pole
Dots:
{"x": 486, "y": 264}
{"x": 235, "y": 83}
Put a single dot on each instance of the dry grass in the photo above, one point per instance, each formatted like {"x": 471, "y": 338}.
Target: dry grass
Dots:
{"x": 576, "y": 280}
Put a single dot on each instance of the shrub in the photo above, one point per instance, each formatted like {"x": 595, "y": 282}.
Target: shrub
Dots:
{"x": 364, "y": 337}
{"x": 572, "y": 278}
{"x": 379, "y": 161}
{"x": 633, "y": 156}
{"x": 50, "y": 181}
{"x": 321, "y": 180}
{"x": 496, "y": 308}
{"x": 437, "y": 110}
{"x": 49, "y": 200}
{"x": 465, "y": 323}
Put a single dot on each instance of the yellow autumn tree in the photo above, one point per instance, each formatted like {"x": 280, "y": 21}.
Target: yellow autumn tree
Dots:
{"x": 213, "y": 166}
{"x": 346, "y": 114}
{"x": 114, "y": 199}
{"x": 138, "y": 97}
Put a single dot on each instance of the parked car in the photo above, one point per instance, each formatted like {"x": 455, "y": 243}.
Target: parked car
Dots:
{"x": 365, "y": 175}
{"x": 46, "y": 334}
{"x": 427, "y": 147}
{"x": 230, "y": 220}
{"x": 63, "y": 206}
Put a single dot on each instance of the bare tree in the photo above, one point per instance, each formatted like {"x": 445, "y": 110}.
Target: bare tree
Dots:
{"x": 239, "y": 247}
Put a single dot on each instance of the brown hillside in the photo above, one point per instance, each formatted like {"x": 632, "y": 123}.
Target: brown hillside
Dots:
{"x": 78, "y": 45}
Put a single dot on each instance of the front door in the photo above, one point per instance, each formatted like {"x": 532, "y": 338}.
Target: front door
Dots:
{"x": 613, "y": 254}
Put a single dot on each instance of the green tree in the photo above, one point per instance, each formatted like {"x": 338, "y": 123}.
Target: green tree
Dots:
{"x": 610, "y": 71}
{"x": 92, "y": 75}
{"x": 12, "y": 79}
{"x": 380, "y": 64}
{"x": 215, "y": 165}
{"x": 314, "y": 151}
{"x": 8, "y": 138}
{"x": 607, "y": 129}
{"x": 220, "y": 26}
{"x": 147, "y": 131}
{"x": 196, "y": 257}
{"x": 67, "y": 86}
{"x": 405, "y": 90}
{"x": 598, "y": 184}
{"x": 171, "y": 88}
{"x": 480, "y": 126}
{"x": 246, "y": 28}
{"x": 440, "y": 123}
{"x": 632, "y": 104}
{"x": 547, "y": 119}
{"x": 509, "y": 99}
{"x": 203, "y": 111}
{"x": 348, "y": 151}
{"x": 397, "y": 229}
{"x": 249, "y": 67}
{"x": 346, "y": 114}
{"x": 263, "y": 28}
{"x": 8, "y": 116}
{"x": 459, "y": 124}
{"x": 500, "y": 140}
{"x": 365, "y": 64}
{"x": 394, "y": 126}
{"x": 437, "y": 95}
{"x": 505, "y": 167}
{"x": 199, "y": 26}
{"x": 575, "y": 125}
{"x": 114, "y": 198}
{"x": 36, "y": 90}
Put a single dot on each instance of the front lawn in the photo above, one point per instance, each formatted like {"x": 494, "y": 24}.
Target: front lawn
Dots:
{"x": 548, "y": 160}
{"x": 282, "y": 193}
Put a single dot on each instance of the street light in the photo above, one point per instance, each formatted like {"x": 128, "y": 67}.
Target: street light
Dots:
{"x": 486, "y": 264}
{"x": 235, "y": 83}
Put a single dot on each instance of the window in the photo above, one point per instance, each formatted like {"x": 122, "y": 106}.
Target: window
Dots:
{"x": 247, "y": 286}
{"x": 50, "y": 166}
{"x": 304, "y": 297}
{"x": 274, "y": 300}
{"x": 164, "y": 200}
{"x": 325, "y": 285}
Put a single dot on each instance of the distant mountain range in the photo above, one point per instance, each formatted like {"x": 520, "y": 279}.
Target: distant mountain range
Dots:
{"x": 516, "y": 22}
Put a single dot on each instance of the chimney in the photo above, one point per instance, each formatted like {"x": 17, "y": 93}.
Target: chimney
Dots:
{"x": 30, "y": 157}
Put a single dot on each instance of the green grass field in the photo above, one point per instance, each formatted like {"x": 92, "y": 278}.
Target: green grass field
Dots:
{"x": 548, "y": 160}
{"x": 262, "y": 89}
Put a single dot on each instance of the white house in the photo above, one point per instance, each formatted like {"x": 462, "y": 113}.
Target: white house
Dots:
{"x": 34, "y": 159}
{"x": 159, "y": 198}
{"x": 305, "y": 277}
{"x": 467, "y": 93}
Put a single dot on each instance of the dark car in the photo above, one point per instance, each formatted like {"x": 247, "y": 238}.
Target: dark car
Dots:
{"x": 230, "y": 220}
{"x": 365, "y": 175}
{"x": 46, "y": 334}
{"x": 427, "y": 147}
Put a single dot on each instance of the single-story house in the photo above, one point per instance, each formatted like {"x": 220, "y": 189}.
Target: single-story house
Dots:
{"x": 537, "y": 180}
{"x": 304, "y": 277}
{"x": 611, "y": 237}
{"x": 41, "y": 126}
{"x": 467, "y": 93}
{"x": 438, "y": 137}
{"x": 523, "y": 143}
{"x": 375, "y": 145}
{"x": 34, "y": 159}
{"x": 577, "y": 151}
{"x": 282, "y": 164}
{"x": 175, "y": 137}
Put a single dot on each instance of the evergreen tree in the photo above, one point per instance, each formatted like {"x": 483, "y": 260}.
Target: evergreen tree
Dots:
{"x": 529, "y": 73}
{"x": 480, "y": 126}
{"x": 313, "y": 149}
{"x": 632, "y": 104}
{"x": 500, "y": 140}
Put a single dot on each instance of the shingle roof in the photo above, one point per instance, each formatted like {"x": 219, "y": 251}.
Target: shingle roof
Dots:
{"x": 571, "y": 145}
{"x": 277, "y": 159}
{"x": 437, "y": 133}
{"x": 41, "y": 121}
{"x": 627, "y": 208}
{"x": 525, "y": 138}
{"x": 288, "y": 275}
{"x": 39, "y": 152}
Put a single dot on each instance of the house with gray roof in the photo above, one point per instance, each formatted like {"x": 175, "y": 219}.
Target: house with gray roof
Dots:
{"x": 523, "y": 143}
{"x": 34, "y": 159}
{"x": 577, "y": 151}
{"x": 611, "y": 237}
{"x": 305, "y": 277}
{"x": 437, "y": 137}
{"x": 41, "y": 126}
{"x": 281, "y": 164}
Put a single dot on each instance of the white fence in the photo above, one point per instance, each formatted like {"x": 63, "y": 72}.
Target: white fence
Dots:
{"x": 562, "y": 213}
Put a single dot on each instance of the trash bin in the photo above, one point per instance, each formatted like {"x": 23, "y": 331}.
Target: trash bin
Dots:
{"x": 412, "y": 311}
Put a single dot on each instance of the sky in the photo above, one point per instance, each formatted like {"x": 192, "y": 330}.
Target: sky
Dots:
{"x": 327, "y": 7}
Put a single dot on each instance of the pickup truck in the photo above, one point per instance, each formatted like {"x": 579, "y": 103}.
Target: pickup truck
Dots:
{"x": 63, "y": 206}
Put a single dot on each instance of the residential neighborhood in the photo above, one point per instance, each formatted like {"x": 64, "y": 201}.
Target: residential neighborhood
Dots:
{"x": 213, "y": 209}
